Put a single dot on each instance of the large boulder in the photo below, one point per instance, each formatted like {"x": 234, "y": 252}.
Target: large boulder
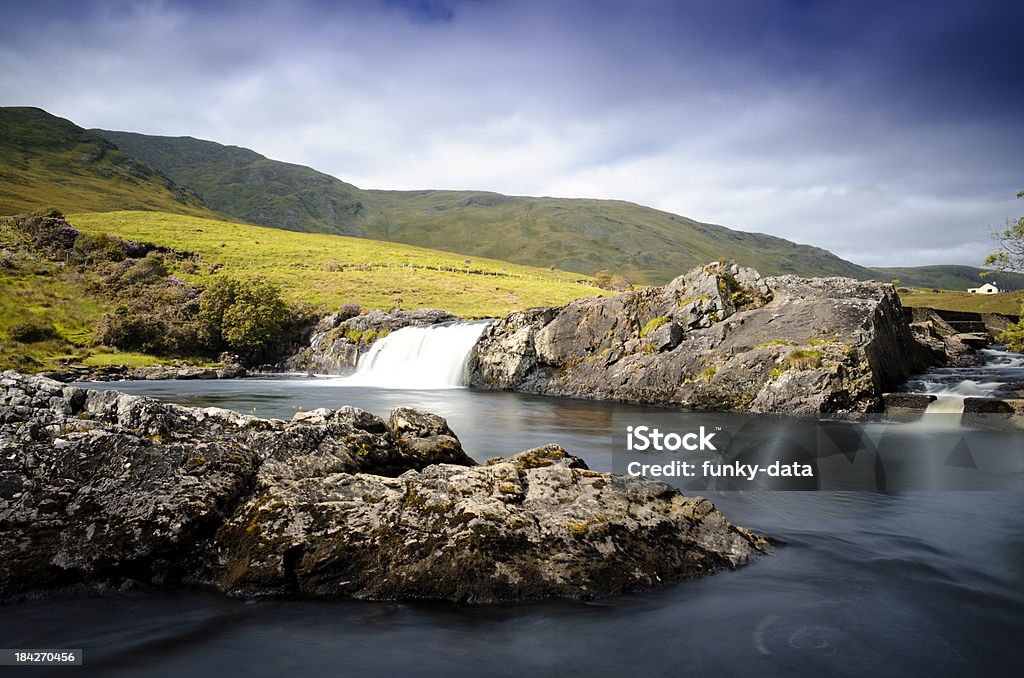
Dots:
{"x": 535, "y": 525}
{"x": 103, "y": 488}
{"x": 719, "y": 337}
{"x": 337, "y": 340}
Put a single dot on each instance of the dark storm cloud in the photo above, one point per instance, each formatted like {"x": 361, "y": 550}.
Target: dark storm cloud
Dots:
{"x": 888, "y": 132}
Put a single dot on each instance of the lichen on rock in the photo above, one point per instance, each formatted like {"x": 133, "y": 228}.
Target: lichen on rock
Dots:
{"x": 719, "y": 337}
{"x": 103, "y": 488}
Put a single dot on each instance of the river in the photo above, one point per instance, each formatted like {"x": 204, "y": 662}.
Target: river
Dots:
{"x": 863, "y": 583}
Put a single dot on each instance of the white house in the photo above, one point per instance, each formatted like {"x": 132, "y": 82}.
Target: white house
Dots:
{"x": 987, "y": 288}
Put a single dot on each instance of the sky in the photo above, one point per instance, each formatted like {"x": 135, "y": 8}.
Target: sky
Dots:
{"x": 890, "y": 132}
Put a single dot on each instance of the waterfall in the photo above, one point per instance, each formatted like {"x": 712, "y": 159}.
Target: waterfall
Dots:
{"x": 420, "y": 357}
{"x": 1001, "y": 372}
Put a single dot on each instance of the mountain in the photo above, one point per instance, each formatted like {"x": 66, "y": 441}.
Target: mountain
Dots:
{"x": 643, "y": 244}
{"x": 49, "y": 162}
{"x": 950, "y": 277}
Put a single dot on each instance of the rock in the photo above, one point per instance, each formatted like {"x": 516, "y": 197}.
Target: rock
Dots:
{"x": 337, "y": 340}
{"x": 718, "y": 337}
{"x": 994, "y": 413}
{"x": 98, "y": 487}
{"x": 974, "y": 339}
{"x": 162, "y": 372}
{"x": 906, "y": 406}
{"x": 101, "y": 488}
{"x": 945, "y": 341}
{"x": 537, "y": 525}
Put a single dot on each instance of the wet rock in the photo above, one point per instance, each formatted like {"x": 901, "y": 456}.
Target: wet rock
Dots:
{"x": 994, "y": 413}
{"x": 162, "y": 372}
{"x": 536, "y": 525}
{"x": 906, "y": 406}
{"x": 718, "y": 337}
{"x": 103, "y": 488}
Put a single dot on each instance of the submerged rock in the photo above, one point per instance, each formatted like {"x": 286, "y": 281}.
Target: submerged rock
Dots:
{"x": 718, "y": 337}
{"x": 107, "y": 488}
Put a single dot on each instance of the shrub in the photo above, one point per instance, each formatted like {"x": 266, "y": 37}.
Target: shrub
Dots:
{"x": 49, "y": 232}
{"x": 155, "y": 317}
{"x": 1013, "y": 337}
{"x": 248, "y": 317}
{"x": 92, "y": 248}
{"x": 31, "y": 332}
{"x": 603, "y": 279}
{"x": 148, "y": 269}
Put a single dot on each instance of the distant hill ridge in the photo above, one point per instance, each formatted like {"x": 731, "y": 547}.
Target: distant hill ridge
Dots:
{"x": 583, "y": 235}
{"x": 47, "y": 161}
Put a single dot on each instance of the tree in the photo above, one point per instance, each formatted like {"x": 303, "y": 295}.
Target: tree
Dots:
{"x": 1010, "y": 257}
{"x": 1010, "y": 241}
{"x": 248, "y": 317}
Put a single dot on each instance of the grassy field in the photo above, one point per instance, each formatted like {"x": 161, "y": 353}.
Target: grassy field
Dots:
{"x": 329, "y": 270}
{"x": 1004, "y": 302}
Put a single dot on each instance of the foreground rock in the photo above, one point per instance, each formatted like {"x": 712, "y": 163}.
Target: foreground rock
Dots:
{"x": 102, "y": 488}
{"x": 336, "y": 342}
{"x": 719, "y": 337}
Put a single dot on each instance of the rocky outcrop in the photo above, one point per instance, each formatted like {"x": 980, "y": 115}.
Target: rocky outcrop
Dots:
{"x": 336, "y": 342}
{"x": 102, "y": 488}
{"x": 536, "y": 525}
{"x": 227, "y": 370}
{"x": 952, "y": 336}
{"x": 719, "y": 337}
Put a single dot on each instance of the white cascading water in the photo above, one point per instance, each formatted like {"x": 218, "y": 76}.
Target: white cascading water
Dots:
{"x": 952, "y": 385}
{"x": 425, "y": 357}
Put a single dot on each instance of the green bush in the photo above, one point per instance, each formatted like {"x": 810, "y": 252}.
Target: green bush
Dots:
{"x": 248, "y": 317}
{"x": 31, "y": 332}
{"x": 1013, "y": 337}
{"x": 157, "y": 317}
{"x": 92, "y": 248}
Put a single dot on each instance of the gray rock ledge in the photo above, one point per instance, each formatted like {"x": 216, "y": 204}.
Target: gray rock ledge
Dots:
{"x": 99, "y": 488}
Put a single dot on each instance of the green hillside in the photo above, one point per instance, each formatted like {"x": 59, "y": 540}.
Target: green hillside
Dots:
{"x": 329, "y": 270}
{"x": 47, "y": 162}
{"x": 586, "y": 236}
{"x": 950, "y": 277}
{"x": 245, "y": 185}
{"x": 51, "y": 306}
